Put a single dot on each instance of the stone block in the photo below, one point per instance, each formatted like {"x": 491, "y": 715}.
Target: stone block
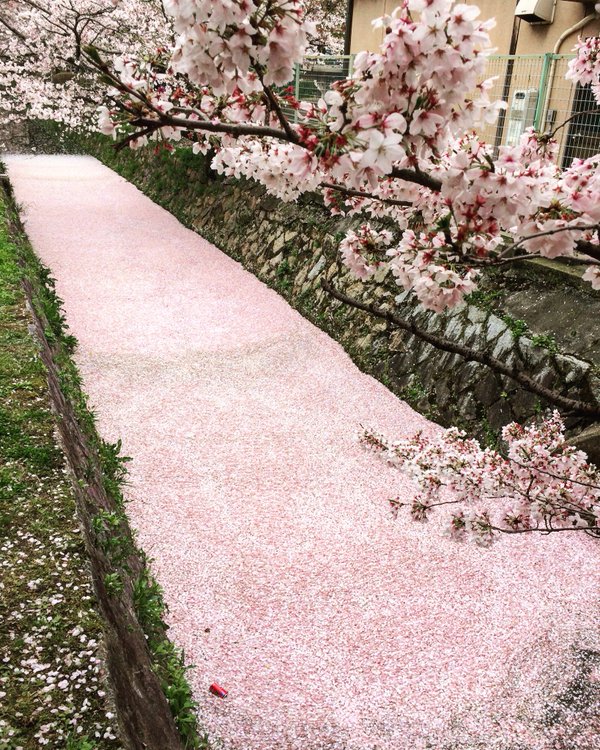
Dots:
{"x": 499, "y": 414}
{"x": 476, "y": 315}
{"x": 278, "y": 243}
{"x": 504, "y": 345}
{"x": 589, "y": 441}
{"x": 487, "y": 388}
{"x": 454, "y": 328}
{"x": 523, "y": 404}
{"x": 317, "y": 268}
{"x": 467, "y": 407}
{"x": 495, "y": 327}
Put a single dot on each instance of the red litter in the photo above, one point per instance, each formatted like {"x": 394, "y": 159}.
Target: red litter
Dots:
{"x": 218, "y": 690}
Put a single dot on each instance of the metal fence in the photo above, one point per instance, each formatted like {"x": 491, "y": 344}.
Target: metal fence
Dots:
{"x": 534, "y": 87}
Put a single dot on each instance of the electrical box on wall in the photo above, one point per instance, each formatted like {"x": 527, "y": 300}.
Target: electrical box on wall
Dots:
{"x": 536, "y": 11}
{"x": 520, "y": 115}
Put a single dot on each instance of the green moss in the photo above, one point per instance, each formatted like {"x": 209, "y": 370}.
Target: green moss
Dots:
{"x": 46, "y": 601}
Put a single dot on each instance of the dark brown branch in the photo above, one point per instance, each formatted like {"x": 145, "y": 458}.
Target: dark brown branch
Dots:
{"x": 588, "y": 248}
{"x": 12, "y": 29}
{"x": 163, "y": 119}
{"x": 561, "y": 478}
{"x": 419, "y": 178}
{"x": 211, "y": 127}
{"x": 471, "y": 355}
{"x": 548, "y": 232}
{"x": 359, "y": 194}
{"x": 133, "y": 137}
{"x": 593, "y": 530}
{"x": 286, "y": 134}
{"x": 495, "y": 262}
{"x": 573, "y": 117}
{"x": 280, "y": 116}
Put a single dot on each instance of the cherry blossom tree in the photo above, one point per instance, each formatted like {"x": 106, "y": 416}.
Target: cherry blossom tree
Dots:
{"x": 396, "y": 139}
{"x": 43, "y": 71}
{"x": 329, "y": 18}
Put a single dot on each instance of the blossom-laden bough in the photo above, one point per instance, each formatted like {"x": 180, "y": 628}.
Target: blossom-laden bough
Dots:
{"x": 543, "y": 484}
{"x": 395, "y": 139}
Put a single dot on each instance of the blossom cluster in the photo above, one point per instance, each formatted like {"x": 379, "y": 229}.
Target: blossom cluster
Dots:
{"x": 542, "y": 483}
{"x": 238, "y": 45}
{"x": 392, "y": 140}
{"x": 329, "y": 19}
{"x": 285, "y": 169}
{"x": 427, "y": 264}
{"x": 585, "y": 67}
{"x": 395, "y": 135}
{"x": 362, "y": 250}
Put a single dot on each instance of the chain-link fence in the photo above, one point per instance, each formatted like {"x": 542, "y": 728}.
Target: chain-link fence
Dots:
{"x": 538, "y": 94}
{"x": 534, "y": 87}
{"x": 316, "y": 74}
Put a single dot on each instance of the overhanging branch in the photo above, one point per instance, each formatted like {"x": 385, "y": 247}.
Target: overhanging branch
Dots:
{"x": 351, "y": 193}
{"x": 471, "y": 355}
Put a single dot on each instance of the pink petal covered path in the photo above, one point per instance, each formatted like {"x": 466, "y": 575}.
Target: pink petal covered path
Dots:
{"x": 288, "y": 581}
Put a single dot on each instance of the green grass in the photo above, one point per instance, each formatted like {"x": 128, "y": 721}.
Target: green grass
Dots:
{"x": 51, "y": 676}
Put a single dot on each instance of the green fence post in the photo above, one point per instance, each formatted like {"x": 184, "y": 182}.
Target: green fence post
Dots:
{"x": 350, "y": 64}
{"x": 540, "y": 107}
{"x": 297, "y": 80}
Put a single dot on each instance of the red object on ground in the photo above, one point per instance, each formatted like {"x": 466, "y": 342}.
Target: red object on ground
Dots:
{"x": 217, "y": 690}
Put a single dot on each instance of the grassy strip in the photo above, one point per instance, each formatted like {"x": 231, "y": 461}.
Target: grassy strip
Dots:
{"x": 47, "y": 578}
{"x": 52, "y": 690}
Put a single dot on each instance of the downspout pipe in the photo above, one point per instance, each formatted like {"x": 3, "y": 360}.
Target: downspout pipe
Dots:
{"x": 552, "y": 72}
{"x": 510, "y": 64}
{"x": 348, "y": 30}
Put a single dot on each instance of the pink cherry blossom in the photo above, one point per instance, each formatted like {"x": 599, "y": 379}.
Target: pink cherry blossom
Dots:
{"x": 543, "y": 484}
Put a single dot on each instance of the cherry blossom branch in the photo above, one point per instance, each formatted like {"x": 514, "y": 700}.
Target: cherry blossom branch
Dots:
{"x": 133, "y": 137}
{"x": 360, "y": 194}
{"x": 569, "y": 119}
{"x": 279, "y": 113}
{"x": 418, "y": 178}
{"x": 13, "y": 29}
{"x": 558, "y": 476}
{"x": 554, "y": 230}
{"x": 500, "y": 261}
{"x": 591, "y": 530}
{"x": 572, "y": 405}
{"x": 211, "y": 127}
{"x": 546, "y": 529}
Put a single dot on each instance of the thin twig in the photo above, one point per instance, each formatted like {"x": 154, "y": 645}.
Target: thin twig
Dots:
{"x": 573, "y": 117}
{"x": 278, "y": 111}
{"x": 548, "y": 232}
{"x": 360, "y": 194}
